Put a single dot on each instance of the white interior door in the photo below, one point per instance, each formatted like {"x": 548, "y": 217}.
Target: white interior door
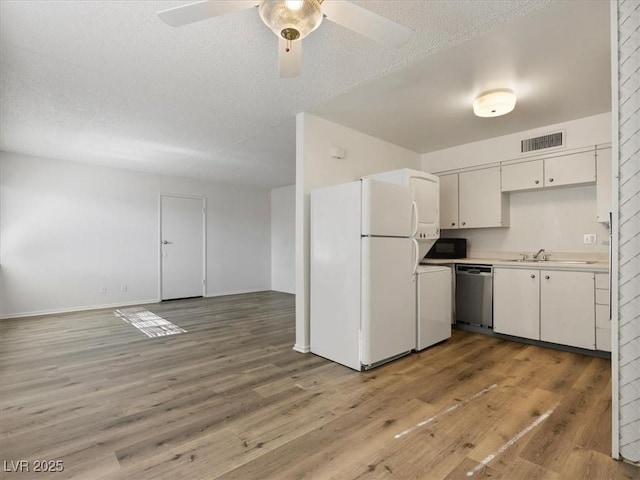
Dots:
{"x": 182, "y": 232}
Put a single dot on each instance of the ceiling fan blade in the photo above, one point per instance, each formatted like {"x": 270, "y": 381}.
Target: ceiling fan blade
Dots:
{"x": 365, "y": 22}
{"x": 194, "y": 12}
{"x": 289, "y": 60}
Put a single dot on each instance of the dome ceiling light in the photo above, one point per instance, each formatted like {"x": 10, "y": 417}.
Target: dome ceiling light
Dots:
{"x": 494, "y": 103}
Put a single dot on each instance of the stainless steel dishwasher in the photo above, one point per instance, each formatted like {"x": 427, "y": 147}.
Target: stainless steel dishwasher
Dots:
{"x": 474, "y": 295}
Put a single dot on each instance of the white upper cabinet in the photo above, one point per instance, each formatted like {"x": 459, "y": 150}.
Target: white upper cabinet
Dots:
{"x": 449, "y": 201}
{"x": 603, "y": 184}
{"x": 481, "y": 202}
{"x": 523, "y": 176}
{"x": 570, "y": 169}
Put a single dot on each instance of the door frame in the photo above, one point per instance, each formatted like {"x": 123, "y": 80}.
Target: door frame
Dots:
{"x": 204, "y": 239}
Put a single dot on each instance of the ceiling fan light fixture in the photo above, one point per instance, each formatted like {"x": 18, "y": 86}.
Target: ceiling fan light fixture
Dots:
{"x": 494, "y": 103}
{"x": 291, "y": 19}
{"x": 294, "y": 4}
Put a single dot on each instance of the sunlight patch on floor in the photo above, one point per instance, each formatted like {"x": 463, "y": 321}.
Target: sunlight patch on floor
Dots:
{"x": 148, "y": 322}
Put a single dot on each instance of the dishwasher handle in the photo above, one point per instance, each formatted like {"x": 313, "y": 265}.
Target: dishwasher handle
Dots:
{"x": 482, "y": 270}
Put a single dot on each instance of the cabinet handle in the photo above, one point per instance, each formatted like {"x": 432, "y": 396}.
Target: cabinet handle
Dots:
{"x": 464, "y": 223}
{"x": 546, "y": 277}
{"x": 537, "y": 182}
{"x": 453, "y": 224}
{"x": 533, "y": 276}
{"x": 551, "y": 180}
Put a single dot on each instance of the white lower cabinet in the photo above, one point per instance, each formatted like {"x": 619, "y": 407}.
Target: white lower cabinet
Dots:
{"x": 516, "y": 302}
{"x": 549, "y": 305}
{"x": 603, "y": 313}
{"x": 567, "y": 314}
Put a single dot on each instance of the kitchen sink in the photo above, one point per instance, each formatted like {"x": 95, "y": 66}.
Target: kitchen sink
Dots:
{"x": 530, "y": 260}
{"x": 584, "y": 262}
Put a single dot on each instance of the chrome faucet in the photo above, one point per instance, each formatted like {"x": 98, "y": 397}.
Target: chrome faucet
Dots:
{"x": 535, "y": 257}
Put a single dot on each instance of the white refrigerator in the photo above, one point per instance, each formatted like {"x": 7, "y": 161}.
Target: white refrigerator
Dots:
{"x": 432, "y": 300}
{"x": 361, "y": 304}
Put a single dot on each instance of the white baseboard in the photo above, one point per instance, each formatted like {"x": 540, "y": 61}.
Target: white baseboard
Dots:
{"x": 116, "y": 305}
{"x": 302, "y": 348}
{"x": 283, "y": 291}
{"x": 237, "y": 292}
{"x": 76, "y": 309}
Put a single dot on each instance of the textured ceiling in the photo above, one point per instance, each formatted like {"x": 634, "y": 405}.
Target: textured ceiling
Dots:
{"x": 557, "y": 60}
{"x": 108, "y": 83}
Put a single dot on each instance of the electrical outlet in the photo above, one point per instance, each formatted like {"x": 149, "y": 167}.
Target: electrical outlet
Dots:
{"x": 590, "y": 239}
{"x": 103, "y": 289}
{"x": 123, "y": 289}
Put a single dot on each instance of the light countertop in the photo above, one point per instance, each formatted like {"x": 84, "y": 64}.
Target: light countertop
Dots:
{"x": 558, "y": 262}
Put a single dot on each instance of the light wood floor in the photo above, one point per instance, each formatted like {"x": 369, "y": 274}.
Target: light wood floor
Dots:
{"x": 231, "y": 399}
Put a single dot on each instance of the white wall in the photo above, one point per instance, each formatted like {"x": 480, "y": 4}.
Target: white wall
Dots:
{"x": 238, "y": 234}
{"x": 553, "y": 219}
{"x": 582, "y": 132}
{"x": 315, "y": 168}
{"x": 69, "y": 228}
{"x": 283, "y": 235}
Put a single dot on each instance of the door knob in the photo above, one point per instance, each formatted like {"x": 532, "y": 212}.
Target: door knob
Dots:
{"x": 546, "y": 277}
{"x": 533, "y": 276}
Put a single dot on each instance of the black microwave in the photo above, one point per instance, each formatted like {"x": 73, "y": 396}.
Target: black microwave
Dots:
{"x": 448, "y": 248}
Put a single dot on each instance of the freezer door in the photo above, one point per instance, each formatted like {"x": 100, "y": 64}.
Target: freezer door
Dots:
{"x": 386, "y": 209}
{"x": 388, "y": 299}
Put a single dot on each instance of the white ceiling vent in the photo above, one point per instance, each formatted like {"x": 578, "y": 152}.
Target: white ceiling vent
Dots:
{"x": 543, "y": 142}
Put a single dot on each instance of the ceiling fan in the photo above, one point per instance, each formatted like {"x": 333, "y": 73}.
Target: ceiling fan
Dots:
{"x": 292, "y": 20}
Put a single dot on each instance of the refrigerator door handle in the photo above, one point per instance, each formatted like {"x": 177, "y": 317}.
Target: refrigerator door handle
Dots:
{"x": 416, "y": 262}
{"x": 414, "y": 207}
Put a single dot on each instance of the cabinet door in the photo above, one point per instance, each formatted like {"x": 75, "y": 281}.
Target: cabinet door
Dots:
{"x": 567, "y": 308}
{"x": 603, "y": 184}
{"x": 449, "y": 201}
{"x": 482, "y": 203}
{"x": 522, "y": 176}
{"x": 570, "y": 169}
{"x": 516, "y": 302}
{"x": 603, "y": 339}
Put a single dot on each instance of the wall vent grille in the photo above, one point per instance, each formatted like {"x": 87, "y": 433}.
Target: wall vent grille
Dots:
{"x": 551, "y": 140}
